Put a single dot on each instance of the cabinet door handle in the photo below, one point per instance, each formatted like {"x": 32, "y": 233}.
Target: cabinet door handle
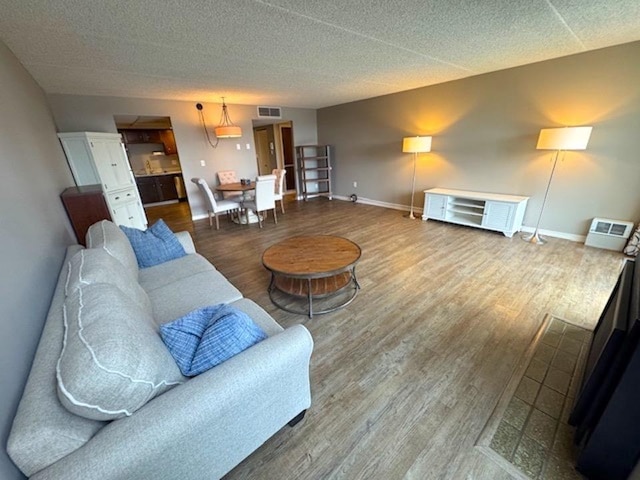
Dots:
{"x": 117, "y": 198}
{"x": 114, "y": 164}
{"x": 130, "y": 218}
{"x": 128, "y": 194}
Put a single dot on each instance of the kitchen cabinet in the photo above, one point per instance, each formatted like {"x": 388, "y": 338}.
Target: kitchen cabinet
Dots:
{"x": 157, "y": 188}
{"x": 99, "y": 158}
{"x": 169, "y": 142}
{"x": 148, "y": 189}
{"x": 163, "y": 137}
{"x": 490, "y": 211}
{"x": 140, "y": 136}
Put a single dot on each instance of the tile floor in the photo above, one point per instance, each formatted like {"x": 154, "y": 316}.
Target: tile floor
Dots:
{"x": 533, "y": 434}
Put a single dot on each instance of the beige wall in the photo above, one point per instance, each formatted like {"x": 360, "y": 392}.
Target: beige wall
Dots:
{"x": 34, "y": 231}
{"x": 94, "y": 113}
{"x": 485, "y": 130}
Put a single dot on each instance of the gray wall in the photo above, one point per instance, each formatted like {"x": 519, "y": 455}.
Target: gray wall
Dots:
{"x": 485, "y": 130}
{"x": 89, "y": 113}
{"x": 33, "y": 234}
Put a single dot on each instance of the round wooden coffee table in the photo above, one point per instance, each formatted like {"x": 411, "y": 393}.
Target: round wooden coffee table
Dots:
{"x": 312, "y": 267}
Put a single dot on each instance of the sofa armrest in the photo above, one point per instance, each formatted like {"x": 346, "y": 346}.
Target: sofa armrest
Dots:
{"x": 186, "y": 241}
{"x": 205, "y": 427}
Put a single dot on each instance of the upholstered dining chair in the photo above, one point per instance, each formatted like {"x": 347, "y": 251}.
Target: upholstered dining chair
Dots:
{"x": 226, "y": 177}
{"x": 214, "y": 206}
{"x": 279, "y": 192}
{"x": 264, "y": 199}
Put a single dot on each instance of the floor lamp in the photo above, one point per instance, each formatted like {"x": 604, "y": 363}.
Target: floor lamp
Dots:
{"x": 558, "y": 139}
{"x": 415, "y": 145}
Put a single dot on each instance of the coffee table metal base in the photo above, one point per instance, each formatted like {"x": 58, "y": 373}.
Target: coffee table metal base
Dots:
{"x": 314, "y": 289}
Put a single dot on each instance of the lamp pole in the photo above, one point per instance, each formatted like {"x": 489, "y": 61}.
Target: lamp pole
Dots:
{"x": 535, "y": 236}
{"x": 413, "y": 185}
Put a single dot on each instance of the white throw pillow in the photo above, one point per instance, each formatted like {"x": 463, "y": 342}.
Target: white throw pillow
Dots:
{"x": 113, "y": 360}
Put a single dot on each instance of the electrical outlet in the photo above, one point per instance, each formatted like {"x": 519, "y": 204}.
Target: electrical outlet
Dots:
{"x": 355, "y": 184}
{"x": 238, "y": 146}
{"x": 203, "y": 163}
{"x": 248, "y": 146}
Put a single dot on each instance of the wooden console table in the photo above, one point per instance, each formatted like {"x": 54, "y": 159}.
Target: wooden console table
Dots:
{"x": 312, "y": 267}
{"x": 491, "y": 211}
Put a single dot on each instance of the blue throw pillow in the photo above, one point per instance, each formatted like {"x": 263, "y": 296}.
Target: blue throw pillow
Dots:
{"x": 157, "y": 244}
{"x": 208, "y": 336}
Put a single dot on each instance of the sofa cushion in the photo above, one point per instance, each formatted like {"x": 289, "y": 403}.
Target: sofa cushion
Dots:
{"x": 173, "y": 271}
{"x": 43, "y": 431}
{"x": 182, "y": 296}
{"x": 155, "y": 245}
{"x": 107, "y": 236}
{"x": 94, "y": 265}
{"x": 113, "y": 360}
{"x": 208, "y": 336}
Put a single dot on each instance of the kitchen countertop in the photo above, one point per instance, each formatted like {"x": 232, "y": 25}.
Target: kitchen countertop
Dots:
{"x": 166, "y": 172}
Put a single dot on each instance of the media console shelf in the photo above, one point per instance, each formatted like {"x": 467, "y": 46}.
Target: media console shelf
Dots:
{"x": 491, "y": 211}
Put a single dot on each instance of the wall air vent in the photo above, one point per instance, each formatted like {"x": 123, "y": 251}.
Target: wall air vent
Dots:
{"x": 608, "y": 234}
{"x": 269, "y": 112}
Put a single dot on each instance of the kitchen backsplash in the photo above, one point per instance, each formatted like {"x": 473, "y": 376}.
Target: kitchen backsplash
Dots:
{"x": 142, "y": 158}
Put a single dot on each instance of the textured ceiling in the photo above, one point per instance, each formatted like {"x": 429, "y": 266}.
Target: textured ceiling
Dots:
{"x": 300, "y": 53}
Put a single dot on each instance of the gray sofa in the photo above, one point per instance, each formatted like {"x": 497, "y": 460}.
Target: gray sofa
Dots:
{"x": 180, "y": 428}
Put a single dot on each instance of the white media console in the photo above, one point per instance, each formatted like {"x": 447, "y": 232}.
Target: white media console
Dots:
{"x": 491, "y": 211}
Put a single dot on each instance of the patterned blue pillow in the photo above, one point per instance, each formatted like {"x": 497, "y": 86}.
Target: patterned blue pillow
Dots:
{"x": 208, "y": 336}
{"x": 157, "y": 244}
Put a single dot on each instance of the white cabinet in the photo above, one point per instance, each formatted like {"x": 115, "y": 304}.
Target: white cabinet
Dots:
{"x": 491, "y": 211}
{"x": 128, "y": 214}
{"x": 100, "y": 158}
{"x": 436, "y": 206}
{"x": 112, "y": 164}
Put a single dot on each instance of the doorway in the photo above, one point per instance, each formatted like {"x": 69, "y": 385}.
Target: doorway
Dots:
{"x": 155, "y": 163}
{"x": 275, "y": 149}
{"x": 265, "y": 149}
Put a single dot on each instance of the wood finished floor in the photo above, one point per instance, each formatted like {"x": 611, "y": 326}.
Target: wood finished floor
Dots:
{"x": 404, "y": 379}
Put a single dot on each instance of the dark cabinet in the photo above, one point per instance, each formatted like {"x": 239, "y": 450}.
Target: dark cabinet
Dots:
{"x": 167, "y": 187}
{"x": 148, "y": 189}
{"x": 158, "y": 188}
{"x": 169, "y": 142}
{"x": 85, "y": 206}
{"x": 163, "y": 137}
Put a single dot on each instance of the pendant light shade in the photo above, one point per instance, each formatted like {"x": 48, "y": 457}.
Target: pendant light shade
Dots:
{"x": 226, "y": 129}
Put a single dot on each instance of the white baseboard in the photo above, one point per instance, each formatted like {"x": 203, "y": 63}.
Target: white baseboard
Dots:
{"x": 551, "y": 233}
{"x": 199, "y": 216}
{"x": 377, "y": 203}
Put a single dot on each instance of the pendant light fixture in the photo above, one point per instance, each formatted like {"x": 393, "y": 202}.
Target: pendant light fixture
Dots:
{"x": 226, "y": 128}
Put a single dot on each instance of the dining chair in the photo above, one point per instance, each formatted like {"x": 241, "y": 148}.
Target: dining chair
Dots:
{"x": 214, "y": 206}
{"x": 264, "y": 199}
{"x": 279, "y": 191}
{"x": 229, "y": 176}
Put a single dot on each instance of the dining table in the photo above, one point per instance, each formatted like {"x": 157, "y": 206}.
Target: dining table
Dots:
{"x": 243, "y": 188}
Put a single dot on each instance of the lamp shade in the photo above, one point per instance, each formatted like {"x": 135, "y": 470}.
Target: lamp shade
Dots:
{"x": 228, "y": 131}
{"x": 567, "y": 138}
{"x": 416, "y": 144}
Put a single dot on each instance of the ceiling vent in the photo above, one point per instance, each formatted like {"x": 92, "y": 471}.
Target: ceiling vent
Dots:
{"x": 608, "y": 234}
{"x": 269, "y": 112}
